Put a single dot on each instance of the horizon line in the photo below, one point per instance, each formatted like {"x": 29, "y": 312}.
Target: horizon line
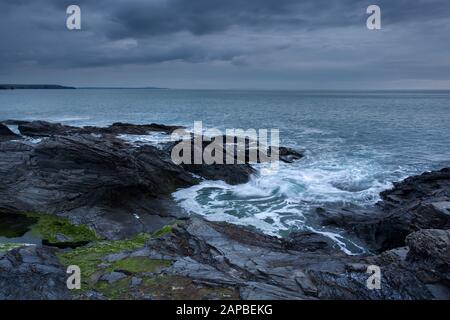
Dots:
{"x": 62, "y": 87}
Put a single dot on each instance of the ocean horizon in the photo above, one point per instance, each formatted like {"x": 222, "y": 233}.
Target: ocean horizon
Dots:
{"x": 356, "y": 143}
{"x": 225, "y": 150}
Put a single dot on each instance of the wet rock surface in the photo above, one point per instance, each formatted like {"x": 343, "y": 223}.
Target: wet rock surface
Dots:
{"x": 264, "y": 267}
{"x": 91, "y": 176}
{"x": 47, "y": 129}
{"x": 419, "y": 202}
{"x": 219, "y": 261}
{"x": 32, "y": 273}
{"x": 119, "y": 190}
{"x": 6, "y": 133}
{"x": 99, "y": 182}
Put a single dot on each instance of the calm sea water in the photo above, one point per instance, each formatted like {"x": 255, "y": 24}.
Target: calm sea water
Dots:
{"x": 357, "y": 143}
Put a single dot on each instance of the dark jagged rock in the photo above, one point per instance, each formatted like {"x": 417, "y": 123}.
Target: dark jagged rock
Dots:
{"x": 98, "y": 181}
{"x": 419, "y": 188}
{"x": 224, "y": 255}
{"x": 419, "y": 202}
{"x": 234, "y": 167}
{"x": 32, "y": 272}
{"x": 127, "y": 128}
{"x": 240, "y": 149}
{"x": 310, "y": 241}
{"x": 225, "y": 258}
{"x": 231, "y": 173}
{"x": 101, "y": 181}
{"x": 422, "y": 268}
{"x": 14, "y": 122}
{"x": 47, "y": 129}
{"x": 264, "y": 267}
{"x": 430, "y": 251}
{"x": 289, "y": 155}
{"x": 119, "y": 189}
{"x": 6, "y": 133}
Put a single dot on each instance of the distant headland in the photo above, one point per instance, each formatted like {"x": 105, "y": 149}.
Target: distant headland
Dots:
{"x": 32, "y": 86}
{"x": 54, "y": 86}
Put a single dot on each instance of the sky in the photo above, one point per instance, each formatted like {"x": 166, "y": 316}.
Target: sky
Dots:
{"x": 227, "y": 44}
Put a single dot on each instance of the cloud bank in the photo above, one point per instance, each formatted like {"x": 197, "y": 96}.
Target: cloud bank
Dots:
{"x": 267, "y": 44}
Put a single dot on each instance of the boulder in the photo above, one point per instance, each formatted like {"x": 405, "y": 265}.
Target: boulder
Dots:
{"x": 419, "y": 202}
{"x": 32, "y": 273}
{"x": 47, "y": 129}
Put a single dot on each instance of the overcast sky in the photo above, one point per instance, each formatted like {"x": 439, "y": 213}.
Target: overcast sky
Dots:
{"x": 247, "y": 44}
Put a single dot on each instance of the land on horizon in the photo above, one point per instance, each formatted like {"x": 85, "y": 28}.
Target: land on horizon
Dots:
{"x": 55, "y": 86}
{"x": 32, "y": 86}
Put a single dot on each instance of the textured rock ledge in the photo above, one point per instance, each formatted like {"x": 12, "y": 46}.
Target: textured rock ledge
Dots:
{"x": 205, "y": 260}
{"x": 99, "y": 180}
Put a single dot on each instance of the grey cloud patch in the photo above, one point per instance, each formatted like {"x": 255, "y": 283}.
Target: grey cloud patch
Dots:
{"x": 200, "y": 17}
{"x": 282, "y": 40}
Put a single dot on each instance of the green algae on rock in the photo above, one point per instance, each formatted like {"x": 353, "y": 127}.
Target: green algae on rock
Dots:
{"x": 163, "y": 287}
{"x": 15, "y": 225}
{"x": 60, "y": 232}
{"x": 10, "y": 246}
{"x": 89, "y": 257}
{"x": 183, "y": 288}
{"x": 166, "y": 229}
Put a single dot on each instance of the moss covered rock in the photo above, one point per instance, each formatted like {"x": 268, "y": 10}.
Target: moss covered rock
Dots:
{"x": 9, "y": 246}
{"x": 59, "y": 232}
{"x": 140, "y": 264}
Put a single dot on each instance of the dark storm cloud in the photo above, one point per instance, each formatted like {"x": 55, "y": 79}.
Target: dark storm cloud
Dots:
{"x": 142, "y": 18}
{"x": 319, "y": 40}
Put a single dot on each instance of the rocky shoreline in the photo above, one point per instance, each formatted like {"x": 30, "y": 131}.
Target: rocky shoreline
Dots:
{"x": 138, "y": 244}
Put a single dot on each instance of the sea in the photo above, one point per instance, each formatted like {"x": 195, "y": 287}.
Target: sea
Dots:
{"x": 356, "y": 144}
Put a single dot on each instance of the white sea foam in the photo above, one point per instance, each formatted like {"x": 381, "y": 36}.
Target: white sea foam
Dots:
{"x": 27, "y": 140}
{"x": 69, "y": 118}
{"x": 153, "y": 138}
{"x": 356, "y": 145}
{"x": 281, "y": 202}
{"x": 341, "y": 241}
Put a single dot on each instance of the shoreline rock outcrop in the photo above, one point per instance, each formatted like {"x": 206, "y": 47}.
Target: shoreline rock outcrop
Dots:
{"x": 416, "y": 203}
{"x": 6, "y": 133}
{"x": 147, "y": 245}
